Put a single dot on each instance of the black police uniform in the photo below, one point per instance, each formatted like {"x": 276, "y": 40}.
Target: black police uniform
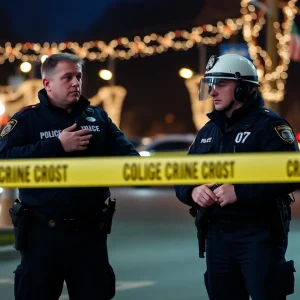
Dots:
{"x": 65, "y": 240}
{"x": 245, "y": 252}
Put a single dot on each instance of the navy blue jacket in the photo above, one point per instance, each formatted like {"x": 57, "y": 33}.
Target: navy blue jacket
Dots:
{"x": 252, "y": 128}
{"x": 35, "y": 135}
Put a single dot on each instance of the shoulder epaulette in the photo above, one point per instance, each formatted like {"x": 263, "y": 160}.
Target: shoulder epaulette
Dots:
{"x": 34, "y": 106}
{"x": 270, "y": 113}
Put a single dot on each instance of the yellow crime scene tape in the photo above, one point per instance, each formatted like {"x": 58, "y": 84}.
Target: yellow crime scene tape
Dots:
{"x": 151, "y": 171}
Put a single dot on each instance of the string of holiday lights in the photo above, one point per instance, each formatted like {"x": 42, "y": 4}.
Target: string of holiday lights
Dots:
{"x": 123, "y": 48}
{"x": 253, "y": 24}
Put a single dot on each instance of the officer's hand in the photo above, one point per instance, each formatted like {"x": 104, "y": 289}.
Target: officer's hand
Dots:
{"x": 74, "y": 140}
{"x": 203, "y": 196}
{"x": 225, "y": 194}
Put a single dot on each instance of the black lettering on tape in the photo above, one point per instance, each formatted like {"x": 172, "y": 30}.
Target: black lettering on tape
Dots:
{"x": 185, "y": 170}
{"x": 15, "y": 174}
{"x": 51, "y": 173}
{"x": 142, "y": 171}
{"x": 293, "y": 168}
{"x": 218, "y": 170}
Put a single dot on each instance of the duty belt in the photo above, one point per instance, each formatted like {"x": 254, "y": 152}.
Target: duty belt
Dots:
{"x": 73, "y": 224}
{"x": 233, "y": 225}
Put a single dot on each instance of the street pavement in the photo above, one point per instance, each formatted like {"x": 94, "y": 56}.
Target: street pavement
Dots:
{"x": 153, "y": 249}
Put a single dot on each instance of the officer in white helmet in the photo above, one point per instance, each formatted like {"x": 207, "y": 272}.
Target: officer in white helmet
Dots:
{"x": 222, "y": 73}
{"x": 244, "y": 226}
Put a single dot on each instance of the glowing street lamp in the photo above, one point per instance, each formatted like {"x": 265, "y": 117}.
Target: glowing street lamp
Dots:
{"x": 186, "y": 73}
{"x": 105, "y": 74}
{"x": 25, "y": 67}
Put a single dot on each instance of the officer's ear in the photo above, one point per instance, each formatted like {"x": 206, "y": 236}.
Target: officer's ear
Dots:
{"x": 46, "y": 84}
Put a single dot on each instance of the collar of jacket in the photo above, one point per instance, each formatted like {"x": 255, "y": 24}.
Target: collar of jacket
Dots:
{"x": 241, "y": 118}
{"x": 81, "y": 104}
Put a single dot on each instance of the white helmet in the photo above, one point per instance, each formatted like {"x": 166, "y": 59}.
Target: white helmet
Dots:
{"x": 229, "y": 67}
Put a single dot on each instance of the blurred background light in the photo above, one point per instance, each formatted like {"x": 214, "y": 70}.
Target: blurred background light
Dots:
{"x": 25, "y": 67}
{"x": 186, "y": 73}
{"x": 105, "y": 74}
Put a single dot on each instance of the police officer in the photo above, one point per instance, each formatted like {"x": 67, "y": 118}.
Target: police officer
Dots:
{"x": 247, "y": 224}
{"x": 65, "y": 230}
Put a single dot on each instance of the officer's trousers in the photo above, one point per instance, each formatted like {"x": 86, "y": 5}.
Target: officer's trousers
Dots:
{"x": 54, "y": 256}
{"x": 245, "y": 261}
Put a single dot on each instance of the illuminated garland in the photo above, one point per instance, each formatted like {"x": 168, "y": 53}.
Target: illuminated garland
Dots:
{"x": 123, "y": 48}
{"x": 253, "y": 24}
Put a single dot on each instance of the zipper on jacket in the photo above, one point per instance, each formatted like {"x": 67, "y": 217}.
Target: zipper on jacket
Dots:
{"x": 221, "y": 146}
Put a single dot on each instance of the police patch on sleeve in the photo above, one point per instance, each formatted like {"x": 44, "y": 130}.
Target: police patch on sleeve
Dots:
{"x": 285, "y": 133}
{"x": 9, "y": 127}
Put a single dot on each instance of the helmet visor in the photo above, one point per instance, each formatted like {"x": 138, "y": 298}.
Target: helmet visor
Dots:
{"x": 207, "y": 84}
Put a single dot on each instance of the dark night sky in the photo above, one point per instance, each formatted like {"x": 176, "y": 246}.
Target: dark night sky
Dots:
{"x": 154, "y": 88}
{"x": 53, "y": 20}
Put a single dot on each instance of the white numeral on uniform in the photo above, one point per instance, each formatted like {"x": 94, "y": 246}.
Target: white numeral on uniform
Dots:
{"x": 242, "y": 136}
